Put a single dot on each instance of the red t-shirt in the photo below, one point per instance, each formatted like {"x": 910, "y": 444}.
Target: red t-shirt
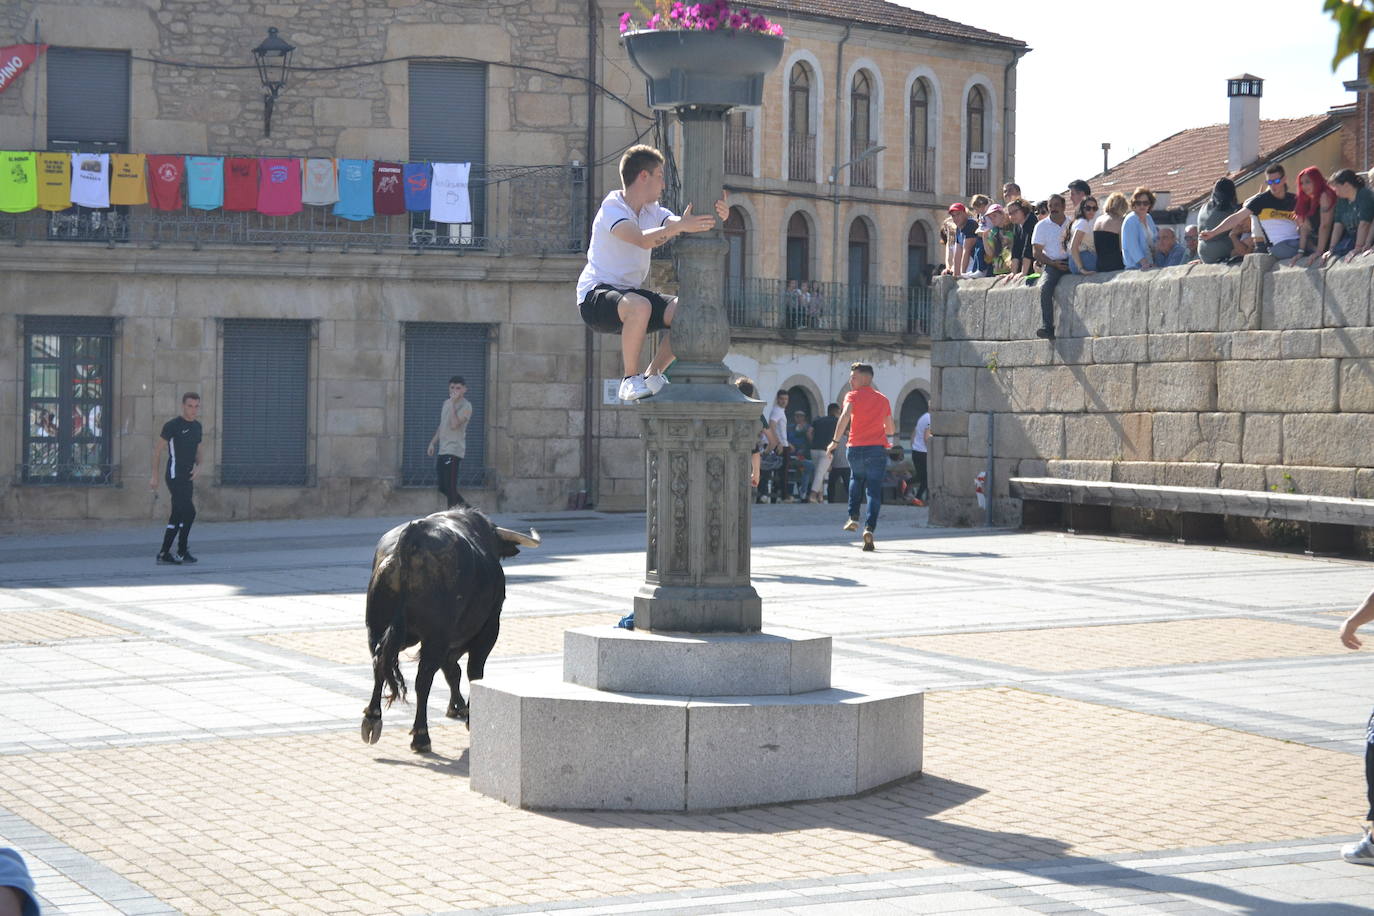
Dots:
{"x": 165, "y": 174}
{"x": 868, "y": 411}
{"x": 240, "y": 184}
{"x": 388, "y": 194}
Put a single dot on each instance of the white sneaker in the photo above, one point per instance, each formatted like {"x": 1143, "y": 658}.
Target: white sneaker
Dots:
{"x": 1361, "y": 852}
{"x": 656, "y": 382}
{"x": 634, "y": 389}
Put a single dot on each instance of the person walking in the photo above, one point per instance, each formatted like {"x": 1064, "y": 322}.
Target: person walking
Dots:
{"x": 1361, "y": 852}
{"x": 867, "y": 416}
{"x": 452, "y": 438}
{"x": 920, "y": 445}
{"x": 181, "y": 437}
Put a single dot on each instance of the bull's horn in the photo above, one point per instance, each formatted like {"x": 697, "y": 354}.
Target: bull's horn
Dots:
{"x": 524, "y": 540}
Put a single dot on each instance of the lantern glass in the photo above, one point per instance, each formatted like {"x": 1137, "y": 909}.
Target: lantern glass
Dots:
{"x": 273, "y": 57}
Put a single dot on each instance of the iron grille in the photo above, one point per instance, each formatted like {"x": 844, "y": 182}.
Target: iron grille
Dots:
{"x": 266, "y": 395}
{"x": 65, "y": 436}
{"x": 435, "y": 351}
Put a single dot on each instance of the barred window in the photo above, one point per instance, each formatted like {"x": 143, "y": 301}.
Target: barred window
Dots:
{"x": 435, "y": 351}
{"x": 67, "y": 422}
{"x": 266, "y": 396}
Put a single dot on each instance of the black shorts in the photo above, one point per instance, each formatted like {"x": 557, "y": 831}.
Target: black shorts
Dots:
{"x": 601, "y": 308}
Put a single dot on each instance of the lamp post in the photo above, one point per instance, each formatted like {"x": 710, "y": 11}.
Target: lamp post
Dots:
{"x": 273, "y": 58}
{"x": 835, "y": 209}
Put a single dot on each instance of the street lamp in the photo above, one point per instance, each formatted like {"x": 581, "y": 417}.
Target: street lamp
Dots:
{"x": 835, "y": 208}
{"x": 273, "y": 57}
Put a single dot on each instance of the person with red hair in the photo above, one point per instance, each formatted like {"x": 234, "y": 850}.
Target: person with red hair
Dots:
{"x": 1314, "y": 213}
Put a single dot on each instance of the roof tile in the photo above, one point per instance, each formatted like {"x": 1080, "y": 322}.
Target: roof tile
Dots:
{"x": 889, "y": 15}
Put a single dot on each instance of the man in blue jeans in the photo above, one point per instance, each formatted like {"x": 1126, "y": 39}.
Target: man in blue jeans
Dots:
{"x": 867, "y": 415}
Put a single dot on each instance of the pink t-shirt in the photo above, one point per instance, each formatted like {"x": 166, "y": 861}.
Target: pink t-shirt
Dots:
{"x": 279, "y": 187}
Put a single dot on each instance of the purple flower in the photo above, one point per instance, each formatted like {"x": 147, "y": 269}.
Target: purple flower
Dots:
{"x": 710, "y": 24}
{"x": 736, "y": 21}
{"x": 653, "y": 22}
{"x": 759, "y": 24}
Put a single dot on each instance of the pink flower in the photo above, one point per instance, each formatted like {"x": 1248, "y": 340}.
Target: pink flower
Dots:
{"x": 710, "y": 23}
{"x": 653, "y": 22}
{"x": 775, "y": 30}
{"x": 736, "y": 21}
{"x": 759, "y": 24}
{"x": 625, "y": 21}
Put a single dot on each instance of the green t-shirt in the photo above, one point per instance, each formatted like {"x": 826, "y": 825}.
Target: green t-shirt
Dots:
{"x": 1353, "y": 212}
{"x": 18, "y": 182}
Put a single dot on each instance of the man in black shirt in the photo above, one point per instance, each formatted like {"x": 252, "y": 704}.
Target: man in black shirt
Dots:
{"x": 1022, "y": 254}
{"x": 823, "y": 430}
{"x": 181, "y": 437}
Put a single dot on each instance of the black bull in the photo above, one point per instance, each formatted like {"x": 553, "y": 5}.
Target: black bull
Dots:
{"x": 436, "y": 581}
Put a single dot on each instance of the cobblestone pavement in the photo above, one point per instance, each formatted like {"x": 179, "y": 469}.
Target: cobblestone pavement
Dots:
{"x": 1112, "y": 726}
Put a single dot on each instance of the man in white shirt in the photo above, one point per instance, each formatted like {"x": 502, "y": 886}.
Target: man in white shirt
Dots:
{"x": 920, "y": 446}
{"x": 1053, "y": 260}
{"x": 629, "y": 225}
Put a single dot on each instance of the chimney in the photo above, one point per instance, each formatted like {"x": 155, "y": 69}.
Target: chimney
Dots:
{"x": 1244, "y": 91}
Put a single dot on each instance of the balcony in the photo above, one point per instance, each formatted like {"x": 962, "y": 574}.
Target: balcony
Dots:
{"x": 801, "y": 157}
{"x": 922, "y": 176}
{"x": 517, "y": 210}
{"x": 976, "y": 182}
{"x": 758, "y": 303}
{"x": 739, "y": 149}
{"x": 863, "y": 173}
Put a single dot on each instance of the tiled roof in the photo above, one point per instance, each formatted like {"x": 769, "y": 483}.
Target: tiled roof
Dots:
{"x": 1189, "y": 163}
{"x": 888, "y": 15}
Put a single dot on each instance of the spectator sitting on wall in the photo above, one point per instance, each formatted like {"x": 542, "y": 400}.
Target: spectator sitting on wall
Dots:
{"x": 998, "y": 239}
{"x": 968, "y": 247}
{"x": 1314, "y": 212}
{"x": 1190, "y": 239}
{"x": 1214, "y": 249}
{"x": 1138, "y": 232}
{"x": 1107, "y": 233}
{"x": 1354, "y": 219}
{"x": 948, "y": 231}
{"x": 1168, "y": 251}
{"x": 1042, "y": 208}
{"x": 1273, "y": 207}
{"x": 1052, "y": 259}
{"x": 1082, "y": 251}
{"x": 1010, "y": 191}
{"x": 1022, "y": 219}
{"x": 1078, "y": 191}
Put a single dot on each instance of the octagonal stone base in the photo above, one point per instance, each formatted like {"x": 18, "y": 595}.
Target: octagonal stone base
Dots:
{"x": 547, "y": 744}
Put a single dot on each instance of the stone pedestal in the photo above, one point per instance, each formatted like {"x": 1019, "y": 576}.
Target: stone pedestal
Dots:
{"x": 699, "y": 707}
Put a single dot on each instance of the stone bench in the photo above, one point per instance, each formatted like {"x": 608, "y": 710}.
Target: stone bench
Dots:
{"x": 1329, "y": 521}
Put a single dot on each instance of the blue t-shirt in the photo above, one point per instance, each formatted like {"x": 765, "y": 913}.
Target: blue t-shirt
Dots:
{"x": 415, "y": 177}
{"x": 355, "y": 189}
{"x": 14, "y": 873}
{"x": 205, "y": 182}
{"x": 977, "y": 261}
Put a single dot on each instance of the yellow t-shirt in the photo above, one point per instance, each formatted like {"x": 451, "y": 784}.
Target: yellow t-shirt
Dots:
{"x": 18, "y": 182}
{"x": 54, "y": 181}
{"x": 128, "y": 179}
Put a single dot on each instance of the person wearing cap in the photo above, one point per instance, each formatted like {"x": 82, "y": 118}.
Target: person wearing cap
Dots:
{"x": 998, "y": 239}
{"x": 969, "y": 257}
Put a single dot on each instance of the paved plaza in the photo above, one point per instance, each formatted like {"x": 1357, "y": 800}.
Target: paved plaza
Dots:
{"x": 1112, "y": 726}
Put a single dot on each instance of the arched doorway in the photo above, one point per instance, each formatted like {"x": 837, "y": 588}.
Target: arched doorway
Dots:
{"x": 917, "y": 279}
{"x": 913, "y": 405}
{"x": 736, "y": 259}
{"x": 799, "y": 399}
{"x": 798, "y": 248}
{"x": 860, "y": 252}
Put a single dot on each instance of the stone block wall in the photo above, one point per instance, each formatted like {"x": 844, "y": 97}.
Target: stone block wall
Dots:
{"x": 1254, "y": 376}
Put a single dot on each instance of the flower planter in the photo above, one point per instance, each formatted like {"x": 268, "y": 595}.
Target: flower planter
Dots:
{"x": 723, "y": 68}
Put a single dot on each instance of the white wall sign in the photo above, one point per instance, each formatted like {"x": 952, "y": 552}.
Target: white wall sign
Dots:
{"x": 977, "y": 160}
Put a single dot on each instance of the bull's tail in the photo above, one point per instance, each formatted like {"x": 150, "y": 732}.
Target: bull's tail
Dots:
{"x": 386, "y": 654}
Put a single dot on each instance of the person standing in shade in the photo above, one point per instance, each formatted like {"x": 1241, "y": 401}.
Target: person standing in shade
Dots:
{"x": 181, "y": 437}
{"x": 1361, "y": 852}
{"x": 823, "y": 431}
{"x": 867, "y": 415}
{"x": 452, "y": 439}
{"x": 920, "y": 446}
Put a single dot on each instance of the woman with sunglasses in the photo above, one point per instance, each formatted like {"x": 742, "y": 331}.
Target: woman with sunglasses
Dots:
{"x": 1138, "y": 232}
{"x": 1082, "y": 250}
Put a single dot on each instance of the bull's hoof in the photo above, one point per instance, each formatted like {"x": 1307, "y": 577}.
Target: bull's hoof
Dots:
{"x": 420, "y": 743}
{"x": 372, "y": 729}
{"x": 457, "y": 712}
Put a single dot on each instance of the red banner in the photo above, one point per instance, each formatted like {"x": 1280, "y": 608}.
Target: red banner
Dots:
{"x": 15, "y": 59}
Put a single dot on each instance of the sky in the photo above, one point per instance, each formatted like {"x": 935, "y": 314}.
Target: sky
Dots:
{"x": 1135, "y": 73}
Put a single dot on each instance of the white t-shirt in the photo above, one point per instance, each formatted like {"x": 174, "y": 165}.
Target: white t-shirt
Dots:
{"x": 611, "y": 260}
{"x": 1051, "y": 235}
{"x": 918, "y": 440}
{"x": 777, "y": 418}
{"x": 1084, "y": 226}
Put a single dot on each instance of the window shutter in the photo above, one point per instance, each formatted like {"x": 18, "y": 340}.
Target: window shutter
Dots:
{"x": 435, "y": 352}
{"x": 88, "y": 98}
{"x": 266, "y": 398}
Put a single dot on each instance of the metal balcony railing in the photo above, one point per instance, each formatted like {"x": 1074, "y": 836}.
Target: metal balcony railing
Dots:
{"x": 922, "y": 176}
{"x": 516, "y": 210}
{"x": 739, "y": 149}
{"x": 976, "y": 181}
{"x": 801, "y": 157}
{"x": 864, "y": 172}
{"x": 763, "y": 303}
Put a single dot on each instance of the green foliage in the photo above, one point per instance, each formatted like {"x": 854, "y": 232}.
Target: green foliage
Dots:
{"x": 1356, "y": 20}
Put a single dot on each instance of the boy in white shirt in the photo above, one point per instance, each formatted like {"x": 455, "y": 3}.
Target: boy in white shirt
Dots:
{"x": 629, "y": 225}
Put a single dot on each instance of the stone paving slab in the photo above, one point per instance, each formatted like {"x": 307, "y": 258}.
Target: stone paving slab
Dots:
{"x": 203, "y": 756}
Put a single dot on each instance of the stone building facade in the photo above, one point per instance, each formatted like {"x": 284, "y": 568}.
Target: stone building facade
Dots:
{"x": 306, "y": 336}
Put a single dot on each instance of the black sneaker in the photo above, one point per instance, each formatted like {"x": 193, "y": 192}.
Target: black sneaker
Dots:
{"x": 185, "y": 557}
{"x": 166, "y": 558}
{"x": 1045, "y": 333}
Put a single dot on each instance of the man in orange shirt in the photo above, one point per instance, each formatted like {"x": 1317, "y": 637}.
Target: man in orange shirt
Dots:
{"x": 868, "y": 417}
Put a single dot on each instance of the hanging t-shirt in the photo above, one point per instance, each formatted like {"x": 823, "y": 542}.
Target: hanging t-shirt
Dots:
{"x": 128, "y": 179}
{"x": 1275, "y": 215}
{"x": 279, "y": 187}
{"x": 321, "y": 183}
{"x": 205, "y": 182}
{"x": 91, "y": 180}
{"x": 355, "y": 189}
{"x": 165, "y": 174}
{"x": 54, "y": 181}
{"x": 18, "y": 182}
{"x": 388, "y": 197}
{"x": 448, "y": 197}
{"x": 416, "y": 176}
{"x": 240, "y": 184}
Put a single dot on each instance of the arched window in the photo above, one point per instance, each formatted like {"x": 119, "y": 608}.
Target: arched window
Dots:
{"x": 861, "y": 130}
{"x": 798, "y": 248}
{"x": 858, "y": 274}
{"x": 917, "y": 280}
{"x": 736, "y": 257}
{"x": 801, "y": 140}
{"x": 922, "y": 176}
{"x": 977, "y": 182}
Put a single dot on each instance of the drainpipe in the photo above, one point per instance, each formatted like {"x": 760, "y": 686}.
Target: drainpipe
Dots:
{"x": 1009, "y": 120}
{"x": 589, "y": 398}
{"x": 835, "y": 180}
